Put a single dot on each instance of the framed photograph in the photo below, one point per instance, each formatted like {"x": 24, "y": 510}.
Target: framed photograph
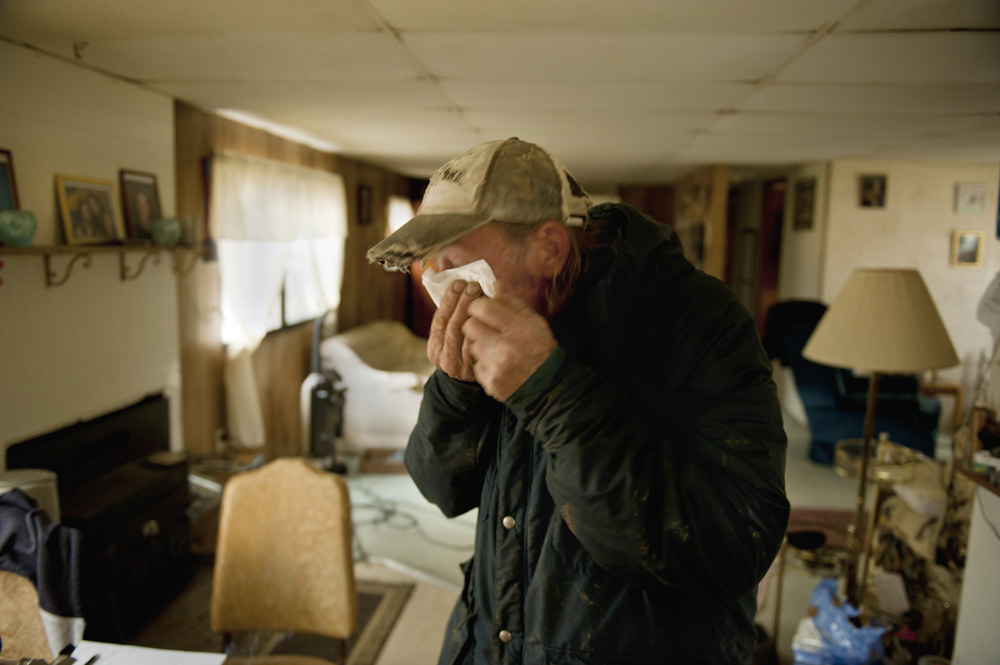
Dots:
{"x": 140, "y": 202}
{"x": 805, "y": 197}
{"x": 8, "y": 186}
{"x": 967, "y": 249}
{"x": 871, "y": 191}
{"x": 970, "y": 197}
{"x": 89, "y": 210}
{"x": 364, "y": 205}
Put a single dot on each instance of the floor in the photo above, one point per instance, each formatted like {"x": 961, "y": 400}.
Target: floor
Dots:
{"x": 396, "y": 528}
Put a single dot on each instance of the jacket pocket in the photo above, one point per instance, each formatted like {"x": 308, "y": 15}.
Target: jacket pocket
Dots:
{"x": 458, "y": 636}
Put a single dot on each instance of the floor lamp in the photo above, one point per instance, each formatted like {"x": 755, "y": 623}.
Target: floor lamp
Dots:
{"x": 883, "y": 321}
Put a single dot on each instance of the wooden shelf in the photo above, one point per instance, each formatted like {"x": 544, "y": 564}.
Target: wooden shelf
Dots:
{"x": 127, "y": 271}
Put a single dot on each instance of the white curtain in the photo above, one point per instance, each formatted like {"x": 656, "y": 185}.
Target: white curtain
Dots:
{"x": 274, "y": 224}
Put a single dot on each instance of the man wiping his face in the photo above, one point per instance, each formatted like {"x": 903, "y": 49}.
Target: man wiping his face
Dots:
{"x": 608, "y": 409}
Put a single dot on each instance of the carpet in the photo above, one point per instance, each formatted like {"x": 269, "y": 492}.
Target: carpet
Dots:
{"x": 184, "y": 624}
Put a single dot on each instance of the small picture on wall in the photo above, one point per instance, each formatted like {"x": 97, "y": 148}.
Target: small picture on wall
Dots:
{"x": 871, "y": 191}
{"x": 364, "y": 205}
{"x": 805, "y": 196}
{"x": 8, "y": 186}
{"x": 89, "y": 210}
{"x": 967, "y": 249}
{"x": 970, "y": 197}
{"x": 141, "y": 203}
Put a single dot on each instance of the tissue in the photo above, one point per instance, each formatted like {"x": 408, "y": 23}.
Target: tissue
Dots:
{"x": 438, "y": 283}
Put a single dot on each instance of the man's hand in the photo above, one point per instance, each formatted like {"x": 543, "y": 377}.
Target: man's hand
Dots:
{"x": 446, "y": 345}
{"x": 506, "y": 341}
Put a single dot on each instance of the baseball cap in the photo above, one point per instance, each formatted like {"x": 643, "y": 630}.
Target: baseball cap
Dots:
{"x": 504, "y": 181}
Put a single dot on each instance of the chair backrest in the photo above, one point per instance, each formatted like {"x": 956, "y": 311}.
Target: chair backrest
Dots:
{"x": 21, "y": 628}
{"x": 283, "y": 559}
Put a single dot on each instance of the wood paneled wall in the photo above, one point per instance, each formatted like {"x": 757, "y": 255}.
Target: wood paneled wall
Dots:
{"x": 700, "y": 218}
{"x": 655, "y": 201}
{"x": 282, "y": 362}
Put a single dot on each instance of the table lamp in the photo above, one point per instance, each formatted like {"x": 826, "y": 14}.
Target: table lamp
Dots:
{"x": 883, "y": 321}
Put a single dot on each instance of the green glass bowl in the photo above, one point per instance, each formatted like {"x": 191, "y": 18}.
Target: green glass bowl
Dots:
{"x": 166, "y": 231}
{"x": 17, "y": 227}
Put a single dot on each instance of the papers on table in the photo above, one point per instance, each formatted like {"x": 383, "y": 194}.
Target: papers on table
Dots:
{"x": 119, "y": 654}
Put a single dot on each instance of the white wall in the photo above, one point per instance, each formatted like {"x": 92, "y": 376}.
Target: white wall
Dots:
{"x": 802, "y": 249}
{"x": 96, "y": 343}
{"x": 914, "y": 230}
{"x": 976, "y": 637}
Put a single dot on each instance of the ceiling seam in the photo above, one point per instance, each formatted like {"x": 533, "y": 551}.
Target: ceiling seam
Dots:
{"x": 425, "y": 73}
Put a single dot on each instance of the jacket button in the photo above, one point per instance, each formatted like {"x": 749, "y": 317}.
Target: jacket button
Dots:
{"x": 508, "y": 522}
{"x": 505, "y": 636}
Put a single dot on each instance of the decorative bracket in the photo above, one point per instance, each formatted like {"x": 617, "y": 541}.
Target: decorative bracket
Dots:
{"x": 83, "y": 254}
{"x": 126, "y": 275}
{"x": 51, "y": 278}
{"x": 195, "y": 255}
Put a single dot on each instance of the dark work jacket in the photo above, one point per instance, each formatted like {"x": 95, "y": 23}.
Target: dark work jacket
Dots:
{"x": 631, "y": 492}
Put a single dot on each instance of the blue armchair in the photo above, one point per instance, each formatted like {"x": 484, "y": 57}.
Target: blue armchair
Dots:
{"x": 834, "y": 399}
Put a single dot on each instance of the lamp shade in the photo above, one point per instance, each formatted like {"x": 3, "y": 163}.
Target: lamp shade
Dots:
{"x": 883, "y": 320}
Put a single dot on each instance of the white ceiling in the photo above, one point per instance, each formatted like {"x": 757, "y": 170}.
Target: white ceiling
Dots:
{"x": 626, "y": 92}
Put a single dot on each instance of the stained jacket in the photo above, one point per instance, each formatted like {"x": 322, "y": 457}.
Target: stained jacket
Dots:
{"x": 631, "y": 492}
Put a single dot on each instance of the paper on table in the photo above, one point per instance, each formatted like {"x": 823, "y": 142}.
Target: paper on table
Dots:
{"x": 119, "y": 654}
{"x": 438, "y": 283}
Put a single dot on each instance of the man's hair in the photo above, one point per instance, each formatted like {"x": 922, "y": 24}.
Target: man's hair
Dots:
{"x": 583, "y": 243}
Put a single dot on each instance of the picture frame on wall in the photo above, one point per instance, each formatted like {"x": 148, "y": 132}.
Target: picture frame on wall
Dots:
{"x": 140, "y": 202}
{"x": 8, "y": 185}
{"x": 871, "y": 191}
{"x": 967, "y": 249}
{"x": 88, "y": 208}
{"x": 804, "y": 203}
{"x": 364, "y": 205}
{"x": 970, "y": 197}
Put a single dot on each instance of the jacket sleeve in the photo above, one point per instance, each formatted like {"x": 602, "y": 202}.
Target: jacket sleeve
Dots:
{"x": 447, "y": 453}
{"x": 681, "y": 481}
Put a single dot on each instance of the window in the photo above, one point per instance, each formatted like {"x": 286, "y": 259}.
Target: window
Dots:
{"x": 279, "y": 231}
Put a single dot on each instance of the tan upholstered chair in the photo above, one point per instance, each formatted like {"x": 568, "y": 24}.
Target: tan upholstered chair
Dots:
{"x": 21, "y": 627}
{"x": 283, "y": 558}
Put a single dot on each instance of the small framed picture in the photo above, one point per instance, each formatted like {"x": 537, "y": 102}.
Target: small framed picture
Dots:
{"x": 364, "y": 205}
{"x": 140, "y": 202}
{"x": 805, "y": 197}
{"x": 89, "y": 210}
{"x": 970, "y": 197}
{"x": 967, "y": 249}
{"x": 871, "y": 191}
{"x": 8, "y": 186}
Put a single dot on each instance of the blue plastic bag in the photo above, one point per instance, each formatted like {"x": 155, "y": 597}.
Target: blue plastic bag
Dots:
{"x": 833, "y": 639}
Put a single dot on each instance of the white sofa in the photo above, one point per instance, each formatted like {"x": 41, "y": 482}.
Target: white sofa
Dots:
{"x": 384, "y": 367}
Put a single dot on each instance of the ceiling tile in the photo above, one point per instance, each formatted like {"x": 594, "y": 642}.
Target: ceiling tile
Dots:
{"x": 847, "y": 126}
{"x": 576, "y": 96}
{"x": 922, "y": 15}
{"x": 934, "y": 98}
{"x": 600, "y": 58}
{"x": 101, "y": 20}
{"x": 591, "y": 123}
{"x": 263, "y": 57}
{"x": 310, "y": 96}
{"x": 946, "y": 57}
{"x": 642, "y": 16}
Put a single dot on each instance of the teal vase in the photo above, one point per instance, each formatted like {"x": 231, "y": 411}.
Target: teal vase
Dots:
{"x": 17, "y": 227}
